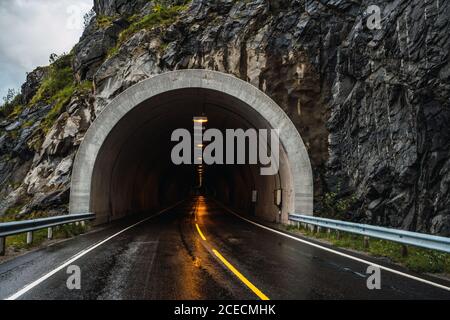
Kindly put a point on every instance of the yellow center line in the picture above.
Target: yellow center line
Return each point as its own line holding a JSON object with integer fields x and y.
{"x": 200, "y": 232}
{"x": 240, "y": 276}
{"x": 252, "y": 287}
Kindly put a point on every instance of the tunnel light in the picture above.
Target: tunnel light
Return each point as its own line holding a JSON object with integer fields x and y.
{"x": 200, "y": 145}
{"x": 200, "y": 119}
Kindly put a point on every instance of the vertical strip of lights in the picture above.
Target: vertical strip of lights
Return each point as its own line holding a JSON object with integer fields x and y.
{"x": 198, "y": 146}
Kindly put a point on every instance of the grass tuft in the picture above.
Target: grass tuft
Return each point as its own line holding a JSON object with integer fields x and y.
{"x": 162, "y": 15}
{"x": 104, "y": 22}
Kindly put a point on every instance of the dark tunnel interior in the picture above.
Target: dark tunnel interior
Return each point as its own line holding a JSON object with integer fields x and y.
{"x": 134, "y": 172}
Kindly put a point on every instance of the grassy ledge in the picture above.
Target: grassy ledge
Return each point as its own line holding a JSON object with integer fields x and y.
{"x": 418, "y": 259}
{"x": 18, "y": 242}
{"x": 57, "y": 89}
{"x": 162, "y": 15}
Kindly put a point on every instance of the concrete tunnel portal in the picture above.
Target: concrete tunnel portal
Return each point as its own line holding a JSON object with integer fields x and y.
{"x": 124, "y": 165}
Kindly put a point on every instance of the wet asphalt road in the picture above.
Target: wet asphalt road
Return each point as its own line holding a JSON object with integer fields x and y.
{"x": 166, "y": 258}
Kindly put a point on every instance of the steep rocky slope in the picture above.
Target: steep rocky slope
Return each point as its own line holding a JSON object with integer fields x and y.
{"x": 371, "y": 105}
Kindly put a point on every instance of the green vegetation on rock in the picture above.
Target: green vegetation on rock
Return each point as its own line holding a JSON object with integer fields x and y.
{"x": 16, "y": 110}
{"x": 57, "y": 89}
{"x": 159, "y": 17}
{"x": 10, "y": 213}
{"x": 335, "y": 205}
{"x": 104, "y": 22}
{"x": 162, "y": 15}
{"x": 12, "y": 104}
{"x": 61, "y": 99}
{"x": 57, "y": 83}
{"x": 27, "y": 124}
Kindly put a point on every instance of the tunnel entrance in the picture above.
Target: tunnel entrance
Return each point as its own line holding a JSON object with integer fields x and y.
{"x": 124, "y": 164}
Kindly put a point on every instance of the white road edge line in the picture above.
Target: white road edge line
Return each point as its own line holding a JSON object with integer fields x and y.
{"x": 82, "y": 253}
{"x": 342, "y": 254}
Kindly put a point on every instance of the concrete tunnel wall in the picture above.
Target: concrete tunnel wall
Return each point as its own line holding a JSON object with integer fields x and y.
{"x": 123, "y": 165}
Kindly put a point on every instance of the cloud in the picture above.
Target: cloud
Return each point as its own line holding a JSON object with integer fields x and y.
{"x": 32, "y": 30}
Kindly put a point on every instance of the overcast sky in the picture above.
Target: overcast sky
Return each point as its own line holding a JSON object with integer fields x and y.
{"x": 33, "y": 29}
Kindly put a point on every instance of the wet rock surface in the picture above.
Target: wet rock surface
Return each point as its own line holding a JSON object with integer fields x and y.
{"x": 371, "y": 105}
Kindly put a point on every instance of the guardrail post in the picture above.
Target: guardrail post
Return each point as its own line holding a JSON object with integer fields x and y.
{"x": 366, "y": 242}
{"x": 30, "y": 237}
{"x": 404, "y": 251}
{"x": 338, "y": 235}
{"x": 50, "y": 233}
{"x": 2, "y": 246}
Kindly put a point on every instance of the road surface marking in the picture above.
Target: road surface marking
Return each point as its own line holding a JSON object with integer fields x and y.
{"x": 252, "y": 287}
{"x": 82, "y": 253}
{"x": 200, "y": 232}
{"x": 240, "y": 276}
{"x": 434, "y": 284}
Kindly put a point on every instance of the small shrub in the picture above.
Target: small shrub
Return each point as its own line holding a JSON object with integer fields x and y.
{"x": 11, "y": 106}
{"x": 104, "y": 22}
{"x": 336, "y": 206}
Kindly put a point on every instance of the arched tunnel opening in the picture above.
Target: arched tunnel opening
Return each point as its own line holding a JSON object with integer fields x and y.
{"x": 124, "y": 166}
{"x": 134, "y": 171}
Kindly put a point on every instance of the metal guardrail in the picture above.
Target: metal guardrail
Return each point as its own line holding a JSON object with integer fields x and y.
{"x": 401, "y": 236}
{"x": 28, "y": 226}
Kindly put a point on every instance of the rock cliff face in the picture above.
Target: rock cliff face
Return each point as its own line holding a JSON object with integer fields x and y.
{"x": 371, "y": 105}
